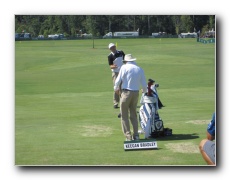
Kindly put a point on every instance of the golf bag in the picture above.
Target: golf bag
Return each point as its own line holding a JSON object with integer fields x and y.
{"x": 149, "y": 119}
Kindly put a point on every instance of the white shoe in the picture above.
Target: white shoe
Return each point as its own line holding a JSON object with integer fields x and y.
{"x": 141, "y": 132}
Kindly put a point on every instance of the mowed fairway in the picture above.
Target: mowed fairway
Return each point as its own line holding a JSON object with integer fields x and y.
{"x": 63, "y": 101}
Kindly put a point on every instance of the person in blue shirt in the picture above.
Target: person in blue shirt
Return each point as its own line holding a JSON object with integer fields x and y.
{"x": 208, "y": 146}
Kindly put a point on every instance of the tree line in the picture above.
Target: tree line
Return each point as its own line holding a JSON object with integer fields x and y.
{"x": 99, "y": 25}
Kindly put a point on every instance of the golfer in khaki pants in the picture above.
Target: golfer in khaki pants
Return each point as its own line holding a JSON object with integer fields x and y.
{"x": 132, "y": 78}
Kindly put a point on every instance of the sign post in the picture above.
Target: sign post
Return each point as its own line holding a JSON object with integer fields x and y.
{"x": 93, "y": 42}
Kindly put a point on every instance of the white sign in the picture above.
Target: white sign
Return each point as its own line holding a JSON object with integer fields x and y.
{"x": 132, "y": 145}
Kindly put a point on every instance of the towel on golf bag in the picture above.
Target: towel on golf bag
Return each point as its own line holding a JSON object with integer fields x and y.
{"x": 150, "y": 121}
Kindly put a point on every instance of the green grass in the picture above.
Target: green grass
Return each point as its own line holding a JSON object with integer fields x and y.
{"x": 63, "y": 101}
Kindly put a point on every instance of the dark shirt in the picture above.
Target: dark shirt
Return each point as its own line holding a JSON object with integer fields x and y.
{"x": 112, "y": 56}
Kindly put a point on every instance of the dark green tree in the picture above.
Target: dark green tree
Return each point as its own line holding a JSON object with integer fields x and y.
{"x": 99, "y": 25}
{"x": 186, "y": 23}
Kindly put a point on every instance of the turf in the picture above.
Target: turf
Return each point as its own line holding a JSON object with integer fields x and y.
{"x": 63, "y": 101}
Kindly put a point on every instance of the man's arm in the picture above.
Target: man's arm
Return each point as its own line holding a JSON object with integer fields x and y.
{"x": 110, "y": 61}
{"x": 118, "y": 80}
{"x": 113, "y": 66}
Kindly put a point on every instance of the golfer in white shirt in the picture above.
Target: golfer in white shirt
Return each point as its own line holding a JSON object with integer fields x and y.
{"x": 132, "y": 78}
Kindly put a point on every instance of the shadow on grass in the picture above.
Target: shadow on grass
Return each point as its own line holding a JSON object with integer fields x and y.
{"x": 178, "y": 137}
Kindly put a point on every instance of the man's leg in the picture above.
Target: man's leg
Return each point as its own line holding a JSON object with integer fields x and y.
{"x": 124, "y": 107}
{"x": 133, "y": 113}
{"x": 116, "y": 97}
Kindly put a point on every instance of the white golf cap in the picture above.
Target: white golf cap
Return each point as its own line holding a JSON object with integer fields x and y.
{"x": 111, "y": 45}
{"x": 129, "y": 57}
